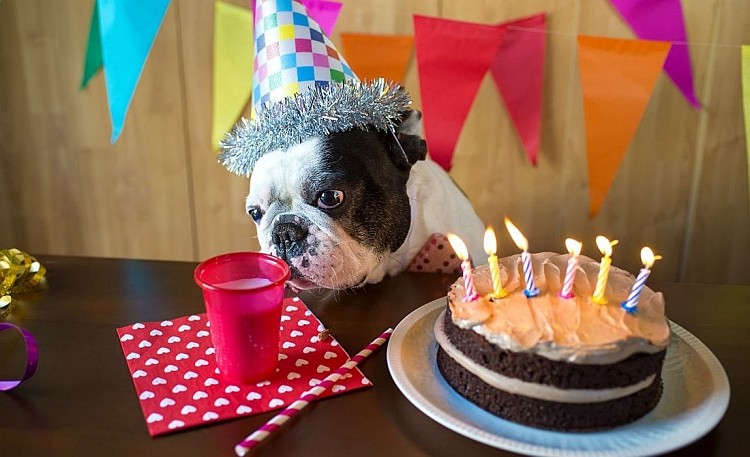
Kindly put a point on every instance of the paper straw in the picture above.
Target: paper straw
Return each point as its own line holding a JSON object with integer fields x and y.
{"x": 280, "y": 419}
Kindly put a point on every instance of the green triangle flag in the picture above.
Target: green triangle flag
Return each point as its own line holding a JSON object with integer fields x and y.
{"x": 93, "y": 61}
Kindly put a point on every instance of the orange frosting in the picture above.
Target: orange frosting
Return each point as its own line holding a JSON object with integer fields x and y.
{"x": 575, "y": 330}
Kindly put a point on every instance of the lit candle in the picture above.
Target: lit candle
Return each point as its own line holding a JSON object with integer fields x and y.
{"x": 470, "y": 293}
{"x": 574, "y": 248}
{"x": 605, "y": 246}
{"x": 523, "y": 245}
{"x": 490, "y": 247}
{"x": 648, "y": 258}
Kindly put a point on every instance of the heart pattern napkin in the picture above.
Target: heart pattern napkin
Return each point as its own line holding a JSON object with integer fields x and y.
{"x": 178, "y": 383}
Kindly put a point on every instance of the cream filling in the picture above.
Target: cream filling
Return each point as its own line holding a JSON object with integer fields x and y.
{"x": 530, "y": 389}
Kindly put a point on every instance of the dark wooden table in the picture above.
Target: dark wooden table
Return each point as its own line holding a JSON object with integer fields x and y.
{"x": 82, "y": 401}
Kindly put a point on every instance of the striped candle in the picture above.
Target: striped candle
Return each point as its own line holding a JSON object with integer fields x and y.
{"x": 470, "y": 292}
{"x": 528, "y": 275}
{"x": 647, "y": 256}
{"x": 523, "y": 244}
{"x": 280, "y": 419}
{"x": 574, "y": 248}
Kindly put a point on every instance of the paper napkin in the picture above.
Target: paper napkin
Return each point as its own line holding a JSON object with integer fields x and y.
{"x": 178, "y": 383}
{"x": 436, "y": 256}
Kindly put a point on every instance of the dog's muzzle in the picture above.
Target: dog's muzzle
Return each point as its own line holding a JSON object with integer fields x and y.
{"x": 288, "y": 237}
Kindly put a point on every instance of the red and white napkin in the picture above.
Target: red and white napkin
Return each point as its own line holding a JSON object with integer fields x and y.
{"x": 178, "y": 384}
{"x": 436, "y": 256}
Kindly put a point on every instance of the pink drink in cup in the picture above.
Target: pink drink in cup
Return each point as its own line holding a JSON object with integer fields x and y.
{"x": 243, "y": 292}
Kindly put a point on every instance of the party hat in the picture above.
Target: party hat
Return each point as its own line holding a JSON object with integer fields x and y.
{"x": 303, "y": 88}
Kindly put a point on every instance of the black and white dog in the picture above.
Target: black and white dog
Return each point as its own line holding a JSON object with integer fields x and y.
{"x": 346, "y": 209}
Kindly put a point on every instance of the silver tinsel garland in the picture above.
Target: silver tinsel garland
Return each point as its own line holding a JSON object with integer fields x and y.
{"x": 318, "y": 111}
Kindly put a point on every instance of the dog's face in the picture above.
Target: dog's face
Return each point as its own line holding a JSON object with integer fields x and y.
{"x": 334, "y": 207}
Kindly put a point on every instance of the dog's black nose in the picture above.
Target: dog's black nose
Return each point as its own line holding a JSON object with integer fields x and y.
{"x": 287, "y": 232}
{"x": 286, "y": 236}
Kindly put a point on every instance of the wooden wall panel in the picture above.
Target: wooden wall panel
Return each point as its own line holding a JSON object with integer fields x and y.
{"x": 490, "y": 164}
{"x": 387, "y": 17}
{"x": 159, "y": 193}
{"x": 12, "y": 226}
{"x": 718, "y": 243}
{"x": 74, "y": 193}
{"x": 220, "y": 218}
{"x": 647, "y": 203}
{"x": 218, "y": 196}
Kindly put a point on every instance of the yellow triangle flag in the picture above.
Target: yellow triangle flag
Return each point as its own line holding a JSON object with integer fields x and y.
{"x": 746, "y": 103}
{"x": 378, "y": 56}
{"x": 233, "y": 67}
{"x": 617, "y": 78}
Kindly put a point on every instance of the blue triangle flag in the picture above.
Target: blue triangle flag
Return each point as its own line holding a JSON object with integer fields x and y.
{"x": 128, "y": 29}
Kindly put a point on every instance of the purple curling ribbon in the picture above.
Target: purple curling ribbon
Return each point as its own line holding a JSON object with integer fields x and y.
{"x": 32, "y": 356}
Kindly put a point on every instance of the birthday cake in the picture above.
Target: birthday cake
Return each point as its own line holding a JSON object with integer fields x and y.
{"x": 551, "y": 362}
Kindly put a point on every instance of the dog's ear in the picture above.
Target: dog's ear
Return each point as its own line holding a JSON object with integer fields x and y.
{"x": 405, "y": 145}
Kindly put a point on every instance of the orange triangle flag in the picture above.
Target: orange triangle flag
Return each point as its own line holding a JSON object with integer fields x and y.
{"x": 378, "y": 56}
{"x": 617, "y": 78}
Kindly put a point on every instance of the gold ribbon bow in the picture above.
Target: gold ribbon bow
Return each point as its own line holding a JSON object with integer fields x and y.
{"x": 19, "y": 273}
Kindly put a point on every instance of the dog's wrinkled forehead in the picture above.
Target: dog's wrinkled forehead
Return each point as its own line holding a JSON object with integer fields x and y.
{"x": 281, "y": 176}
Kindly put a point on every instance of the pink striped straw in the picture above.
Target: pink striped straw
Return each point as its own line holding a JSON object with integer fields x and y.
{"x": 280, "y": 419}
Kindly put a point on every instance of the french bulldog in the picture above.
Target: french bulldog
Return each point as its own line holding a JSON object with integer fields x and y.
{"x": 348, "y": 208}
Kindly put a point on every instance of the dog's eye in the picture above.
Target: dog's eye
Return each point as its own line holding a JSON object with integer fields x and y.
{"x": 255, "y": 213}
{"x": 329, "y": 199}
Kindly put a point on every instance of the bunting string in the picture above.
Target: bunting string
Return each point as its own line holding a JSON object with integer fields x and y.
{"x": 449, "y": 53}
{"x": 575, "y": 35}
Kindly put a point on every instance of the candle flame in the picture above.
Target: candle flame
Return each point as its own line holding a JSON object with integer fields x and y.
{"x": 605, "y": 246}
{"x": 517, "y": 236}
{"x": 458, "y": 246}
{"x": 574, "y": 247}
{"x": 648, "y": 258}
{"x": 490, "y": 241}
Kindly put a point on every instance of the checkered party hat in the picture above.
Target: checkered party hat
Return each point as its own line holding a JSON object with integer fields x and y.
{"x": 303, "y": 87}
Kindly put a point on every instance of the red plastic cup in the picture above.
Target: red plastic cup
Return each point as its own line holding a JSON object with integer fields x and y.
{"x": 243, "y": 292}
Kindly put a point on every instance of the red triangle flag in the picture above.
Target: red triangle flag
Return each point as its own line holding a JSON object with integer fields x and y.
{"x": 452, "y": 59}
{"x": 617, "y": 78}
{"x": 518, "y": 71}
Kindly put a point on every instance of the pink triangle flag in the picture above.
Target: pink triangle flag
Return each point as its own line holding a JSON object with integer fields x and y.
{"x": 452, "y": 59}
{"x": 325, "y": 13}
{"x": 663, "y": 20}
{"x": 518, "y": 71}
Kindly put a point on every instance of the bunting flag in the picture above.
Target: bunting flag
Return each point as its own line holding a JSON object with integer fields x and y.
{"x": 378, "y": 56}
{"x": 233, "y": 67}
{"x": 92, "y": 62}
{"x": 452, "y": 59}
{"x": 325, "y": 13}
{"x": 126, "y": 31}
{"x": 617, "y": 78}
{"x": 663, "y": 20}
{"x": 518, "y": 72}
{"x": 745, "y": 53}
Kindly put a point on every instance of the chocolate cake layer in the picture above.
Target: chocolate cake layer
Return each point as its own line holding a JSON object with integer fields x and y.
{"x": 537, "y": 369}
{"x": 546, "y": 414}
